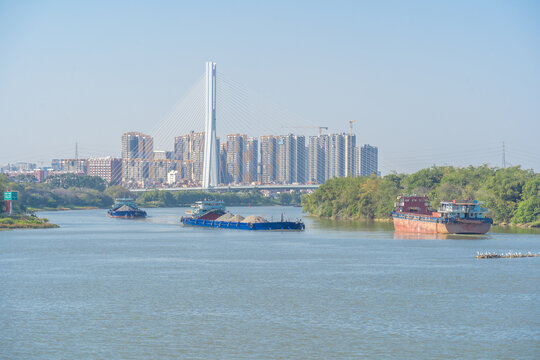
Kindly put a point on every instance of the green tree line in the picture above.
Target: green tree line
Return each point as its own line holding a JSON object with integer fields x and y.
{"x": 512, "y": 194}
{"x": 159, "y": 198}
{"x": 80, "y": 191}
{"x": 58, "y": 191}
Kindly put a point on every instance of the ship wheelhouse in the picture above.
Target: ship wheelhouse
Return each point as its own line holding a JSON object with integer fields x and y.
{"x": 463, "y": 209}
{"x": 203, "y": 207}
{"x": 413, "y": 204}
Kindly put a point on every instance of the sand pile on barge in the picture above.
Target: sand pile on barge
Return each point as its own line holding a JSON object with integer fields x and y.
{"x": 236, "y": 218}
{"x": 254, "y": 219}
{"x": 225, "y": 217}
{"x": 125, "y": 208}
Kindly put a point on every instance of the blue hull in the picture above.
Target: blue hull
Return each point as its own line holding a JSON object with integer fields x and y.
{"x": 127, "y": 214}
{"x": 281, "y": 225}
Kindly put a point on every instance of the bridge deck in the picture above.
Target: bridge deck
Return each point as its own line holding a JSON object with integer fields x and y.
{"x": 237, "y": 187}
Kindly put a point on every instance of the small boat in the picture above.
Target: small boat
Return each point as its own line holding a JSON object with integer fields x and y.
{"x": 414, "y": 214}
{"x": 126, "y": 208}
{"x": 213, "y": 214}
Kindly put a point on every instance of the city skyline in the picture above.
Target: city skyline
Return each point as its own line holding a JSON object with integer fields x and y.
{"x": 416, "y": 77}
{"x": 280, "y": 159}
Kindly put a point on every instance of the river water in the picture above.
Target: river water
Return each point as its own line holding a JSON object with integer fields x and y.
{"x": 102, "y": 288}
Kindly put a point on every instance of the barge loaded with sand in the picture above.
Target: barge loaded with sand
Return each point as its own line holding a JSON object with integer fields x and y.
{"x": 213, "y": 214}
{"x": 126, "y": 208}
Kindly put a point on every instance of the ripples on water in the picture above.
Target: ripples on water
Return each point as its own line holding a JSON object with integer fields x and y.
{"x": 117, "y": 289}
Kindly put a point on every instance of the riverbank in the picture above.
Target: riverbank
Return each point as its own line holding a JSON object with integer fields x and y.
{"x": 533, "y": 225}
{"x": 64, "y": 208}
{"x": 25, "y": 222}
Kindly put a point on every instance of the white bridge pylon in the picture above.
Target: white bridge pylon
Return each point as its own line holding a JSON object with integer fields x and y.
{"x": 210, "y": 168}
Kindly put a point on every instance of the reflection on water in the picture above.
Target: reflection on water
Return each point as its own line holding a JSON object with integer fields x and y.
{"x": 366, "y": 225}
{"x": 348, "y": 225}
{"x": 418, "y": 236}
{"x": 514, "y": 230}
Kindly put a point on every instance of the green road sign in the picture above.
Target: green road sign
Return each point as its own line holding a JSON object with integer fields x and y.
{"x": 11, "y": 195}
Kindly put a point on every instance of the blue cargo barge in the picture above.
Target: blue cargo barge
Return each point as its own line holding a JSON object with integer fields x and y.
{"x": 210, "y": 214}
{"x": 126, "y": 208}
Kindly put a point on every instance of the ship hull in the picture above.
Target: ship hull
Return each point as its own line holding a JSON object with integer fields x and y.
{"x": 277, "y": 226}
{"x": 433, "y": 225}
{"x": 127, "y": 214}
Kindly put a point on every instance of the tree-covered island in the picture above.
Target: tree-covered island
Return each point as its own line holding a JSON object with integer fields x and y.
{"x": 512, "y": 194}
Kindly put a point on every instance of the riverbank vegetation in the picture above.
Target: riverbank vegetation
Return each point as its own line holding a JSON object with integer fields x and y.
{"x": 65, "y": 191}
{"x": 186, "y": 198}
{"x": 25, "y": 222}
{"x": 512, "y": 194}
{"x": 70, "y": 191}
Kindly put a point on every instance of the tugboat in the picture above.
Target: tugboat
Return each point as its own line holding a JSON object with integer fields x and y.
{"x": 213, "y": 214}
{"x": 126, "y": 208}
{"x": 414, "y": 214}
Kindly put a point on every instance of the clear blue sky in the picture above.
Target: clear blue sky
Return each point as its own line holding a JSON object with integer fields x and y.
{"x": 429, "y": 82}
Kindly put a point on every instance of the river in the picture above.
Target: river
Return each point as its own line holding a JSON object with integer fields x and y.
{"x": 102, "y": 288}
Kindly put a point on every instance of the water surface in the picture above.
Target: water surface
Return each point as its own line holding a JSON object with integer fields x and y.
{"x": 136, "y": 289}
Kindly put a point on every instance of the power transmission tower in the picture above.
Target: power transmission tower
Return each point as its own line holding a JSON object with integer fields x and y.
{"x": 503, "y": 157}
{"x": 76, "y": 151}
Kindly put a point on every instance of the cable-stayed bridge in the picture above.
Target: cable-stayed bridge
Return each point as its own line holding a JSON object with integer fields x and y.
{"x": 226, "y": 107}
{"x": 235, "y": 109}
{"x": 229, "y": 108}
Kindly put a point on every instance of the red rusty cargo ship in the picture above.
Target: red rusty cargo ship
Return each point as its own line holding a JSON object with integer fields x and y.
{"x": 414, "y": 214}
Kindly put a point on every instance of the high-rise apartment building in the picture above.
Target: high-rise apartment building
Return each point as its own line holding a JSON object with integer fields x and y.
{"x": 250, "y": 161}
{"x": 190, "y": 147}
{"x": 291, "y": 153}
{"x": 317, "y": 159}
{"x": 136, "y": 145}
{"x": 137, "y": 152}
{"x": 330, "y": 156}
{"x": 300, "y": 149}
{"x": 357, "y": 160}
{"x": 235, "y": 152}
{"x": 350, "y": 155}
{"x": 268, "y": 159}
{"x": 369, "y": 160}
{"x": 107, "y": 168}
{"x": 335, "y": 156}
{"x": 286, "y": 159}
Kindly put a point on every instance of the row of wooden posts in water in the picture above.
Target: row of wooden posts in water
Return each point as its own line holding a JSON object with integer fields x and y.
{"x": 508, "y": 255}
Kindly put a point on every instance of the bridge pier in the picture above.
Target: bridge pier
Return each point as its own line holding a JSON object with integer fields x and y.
{"x": 210, "y": 168}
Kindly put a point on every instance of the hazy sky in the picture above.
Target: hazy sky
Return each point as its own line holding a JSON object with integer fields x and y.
{"x": 429, "y": 82}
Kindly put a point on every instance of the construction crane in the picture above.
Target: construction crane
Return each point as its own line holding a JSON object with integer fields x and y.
{"x": 321, "y": 128}
{"x": 350, "y": 124}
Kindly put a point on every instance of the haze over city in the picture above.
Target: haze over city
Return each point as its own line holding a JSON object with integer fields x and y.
{"x": 269, "y": 179}
{"x": 428, "y": 83}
